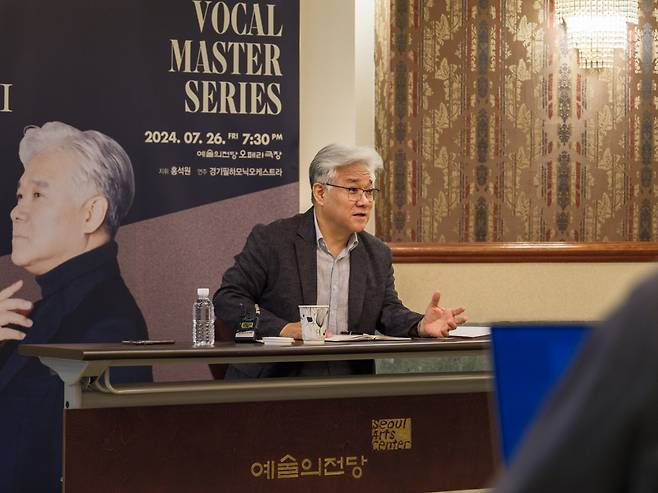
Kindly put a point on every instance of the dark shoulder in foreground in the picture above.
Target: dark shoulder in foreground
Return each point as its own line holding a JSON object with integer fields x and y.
{"x": 638, "y": 315}
{"x": 647, "y": 290}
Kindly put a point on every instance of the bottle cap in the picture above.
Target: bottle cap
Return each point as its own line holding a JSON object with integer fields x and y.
{"x": 203, "y": 292}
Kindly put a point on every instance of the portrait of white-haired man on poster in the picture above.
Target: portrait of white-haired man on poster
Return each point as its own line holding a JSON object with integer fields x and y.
{"x": 76, "y": 188}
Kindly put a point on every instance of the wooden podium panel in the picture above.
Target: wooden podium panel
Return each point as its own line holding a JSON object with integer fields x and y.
{"x": 400, "y": 443}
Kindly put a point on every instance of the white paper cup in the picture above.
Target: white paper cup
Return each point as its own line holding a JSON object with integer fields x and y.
{"x": 315, "y": 319}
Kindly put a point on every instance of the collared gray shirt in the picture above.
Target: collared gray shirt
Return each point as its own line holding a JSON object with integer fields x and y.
{"x": 333, "y": 278}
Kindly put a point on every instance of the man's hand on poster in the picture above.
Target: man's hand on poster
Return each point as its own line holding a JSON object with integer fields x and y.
{"x": 13, "y": 311}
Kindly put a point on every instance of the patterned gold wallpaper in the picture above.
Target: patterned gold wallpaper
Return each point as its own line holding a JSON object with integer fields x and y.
{"x": 491, "y": 132}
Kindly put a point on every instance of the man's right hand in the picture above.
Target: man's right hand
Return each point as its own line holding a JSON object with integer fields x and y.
{"x": 10, "y": 313}
{"x": 293, "y": 329}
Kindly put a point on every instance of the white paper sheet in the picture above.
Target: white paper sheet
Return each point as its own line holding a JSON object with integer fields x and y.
{"x": 470, "y": 331}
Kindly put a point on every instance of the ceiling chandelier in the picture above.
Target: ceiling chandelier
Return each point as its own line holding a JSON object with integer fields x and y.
{"x": 596, "y": 28}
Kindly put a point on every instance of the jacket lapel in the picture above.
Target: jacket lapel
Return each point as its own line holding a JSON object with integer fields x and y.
{"x": 358, "y": 283}
{"x": 305, "y": 249}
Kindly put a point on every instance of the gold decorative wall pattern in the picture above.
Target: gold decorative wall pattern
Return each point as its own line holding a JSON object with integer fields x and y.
{"x": 491, "y": 131}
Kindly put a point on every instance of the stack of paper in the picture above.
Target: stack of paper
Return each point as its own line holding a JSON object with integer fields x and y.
{"x": 277, "y": 341}
{"x": 364, "y": 337}
{"x": 470, "y": 331}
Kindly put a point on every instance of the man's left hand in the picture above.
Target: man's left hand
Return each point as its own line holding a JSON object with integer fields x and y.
{"x": 438, "y": 321}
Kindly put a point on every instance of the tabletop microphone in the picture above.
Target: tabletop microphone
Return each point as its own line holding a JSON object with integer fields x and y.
{"x": 248, "y": 325}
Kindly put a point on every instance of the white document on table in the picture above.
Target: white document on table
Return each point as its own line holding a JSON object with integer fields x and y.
{"x": 276, "y": 341}
{"x": 470, "y": 331}
{"x": 364, "y": 337}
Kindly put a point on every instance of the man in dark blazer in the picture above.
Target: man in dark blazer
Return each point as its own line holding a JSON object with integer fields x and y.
{"x": 76, "y": 188}
{"x": 599, "y": 430}
{"x": 325, "y": 256}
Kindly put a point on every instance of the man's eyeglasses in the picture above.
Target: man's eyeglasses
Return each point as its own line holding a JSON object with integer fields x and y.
{"x": 355, "y": 193}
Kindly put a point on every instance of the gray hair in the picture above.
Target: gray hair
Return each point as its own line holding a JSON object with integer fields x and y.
{"x": 103, "y": 164}
{"x": 324, "y": 164}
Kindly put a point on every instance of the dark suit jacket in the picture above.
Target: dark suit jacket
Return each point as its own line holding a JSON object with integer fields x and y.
{"x": 278, "y": 270}
{"x": 599, "y": 431}
{"x": 84, "y": 300}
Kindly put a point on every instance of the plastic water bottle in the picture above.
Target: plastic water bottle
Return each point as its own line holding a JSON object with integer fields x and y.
{"x": 203, "y": 319}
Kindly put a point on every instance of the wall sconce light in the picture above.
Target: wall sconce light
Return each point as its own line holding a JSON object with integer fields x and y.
{"x": 596, "y": 28}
